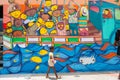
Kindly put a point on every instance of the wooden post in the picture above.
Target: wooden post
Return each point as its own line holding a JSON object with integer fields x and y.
{"x": 53, "y": 40}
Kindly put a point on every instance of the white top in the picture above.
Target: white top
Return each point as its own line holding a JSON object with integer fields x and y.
{"x": 51, "y": 61}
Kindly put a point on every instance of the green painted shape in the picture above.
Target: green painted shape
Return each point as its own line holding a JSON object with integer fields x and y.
{"x": 18, "y": 40}
{"x": 83, "y": 23}
{"x": 14, "y": 28}
{"x": 57, "y": 45}
{"x": 89, "y": 44}
{"x": 73, "y": 39}
{"x": 47, "y": 39}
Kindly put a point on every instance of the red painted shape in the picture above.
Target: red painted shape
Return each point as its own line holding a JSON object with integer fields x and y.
{"x": 9, "y": 52}
{"x": 60, "y": 59}
{"x": 109, "y": 56}
{"x": 70, "y": 69}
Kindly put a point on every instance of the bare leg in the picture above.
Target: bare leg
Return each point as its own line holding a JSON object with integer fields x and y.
{"x": 48, "y": 72}
{"x": 119, "y": 77}
{"x": 55, "y": 72}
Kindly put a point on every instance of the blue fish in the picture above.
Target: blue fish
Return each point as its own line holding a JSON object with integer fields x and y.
{"x": 15, "y": 69}
{"x": 78, "y": 67}
{"x": 7, "y": 63}
{"x": 114, "y": 61}
{"x": 26, "y": 53}
{"x": 28, "y": 67}
{"x": 60, "y": 55}
{"x": 8, "y": 56}
{"x": 17, "y": 60}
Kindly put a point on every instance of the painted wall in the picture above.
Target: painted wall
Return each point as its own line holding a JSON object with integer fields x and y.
{"x": 69, "y": 58}
{"x": 80, "y": 58}
{"x": 36, "y": 2}
{"x": 5, "y": 2}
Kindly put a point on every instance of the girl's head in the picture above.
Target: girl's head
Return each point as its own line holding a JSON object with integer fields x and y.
{"x": 51, "y": 49}
{"x": 71, "y": 10}
{"x": 106, "y": 11}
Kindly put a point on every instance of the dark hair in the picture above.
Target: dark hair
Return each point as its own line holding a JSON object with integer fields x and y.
{"x": 51, "y": 49}
{"x": 107, "y": 9}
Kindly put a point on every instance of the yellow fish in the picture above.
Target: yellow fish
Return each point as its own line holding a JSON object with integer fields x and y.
{"x": 50, "y": 13}
{"x": 15, "y": 14}
{"x": 40, "y": 20}
{"x": 54, "y": 7}
{"x": 30, "y": 24}
{"x": 23, "y": 16}
{"x": 49, "y": 24}
{"x": 43, "y": 31}
{"x": 53, "y": 32}
{"x": 14, "y": 61}
{"x": 9, "y": 30}
{"x": 43, "y": 52}
{"x": 37, "y": 67}
{"x": 48, "y": 3}
{"x": 36, "y": 59}
{"x": 38, "y": 24}
{"x": 9, "y": 24}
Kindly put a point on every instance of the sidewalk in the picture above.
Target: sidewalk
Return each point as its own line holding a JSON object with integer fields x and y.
{"x": 69, "y": 76}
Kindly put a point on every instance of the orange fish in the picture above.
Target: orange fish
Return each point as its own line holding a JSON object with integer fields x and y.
{"x": 109, "y": 56}
{"x": 66, "y": 47}
{"x": 60, "y": 59}
{"x": 105, "y": 46}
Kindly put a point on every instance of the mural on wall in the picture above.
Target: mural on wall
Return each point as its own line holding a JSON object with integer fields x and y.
{"x": 44, "y": 20}
{"x": 72, "y": 58}
{"x": 79, "y": 34}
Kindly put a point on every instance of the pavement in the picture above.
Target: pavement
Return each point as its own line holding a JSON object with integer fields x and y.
{"x": 64, "y": 76}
